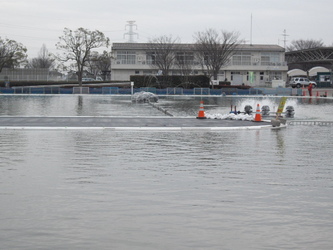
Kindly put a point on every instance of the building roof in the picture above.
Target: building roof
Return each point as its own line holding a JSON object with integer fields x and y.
{"x": 320, "y": 54}
{"x": 316, "y": 50}
{"x": 309, "y": 58}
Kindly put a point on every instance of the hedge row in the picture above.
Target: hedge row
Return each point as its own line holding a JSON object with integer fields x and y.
{"x": 161, "y": 82}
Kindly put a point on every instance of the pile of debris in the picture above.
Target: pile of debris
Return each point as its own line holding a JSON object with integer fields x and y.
{"x": 143, "y": 97}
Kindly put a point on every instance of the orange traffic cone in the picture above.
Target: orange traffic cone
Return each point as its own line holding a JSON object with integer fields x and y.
{"x": 201, "y": 114}
{"x": 257, "y": 117}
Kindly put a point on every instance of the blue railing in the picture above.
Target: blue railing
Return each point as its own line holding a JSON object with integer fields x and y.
{"x": 168, "y": 91}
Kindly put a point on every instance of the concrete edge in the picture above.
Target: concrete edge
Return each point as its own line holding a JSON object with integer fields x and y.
{"x": 197, "y": 129}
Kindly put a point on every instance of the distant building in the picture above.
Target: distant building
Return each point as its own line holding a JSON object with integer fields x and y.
{"x": 19, "y": 74}
{"x": 254, "y": 65}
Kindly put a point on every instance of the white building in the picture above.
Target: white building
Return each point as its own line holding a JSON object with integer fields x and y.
{"x": 254, "y": 65}
{"x": 36, "y": 74}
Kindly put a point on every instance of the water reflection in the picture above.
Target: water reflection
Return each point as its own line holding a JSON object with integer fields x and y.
{"x": 88, "y": 105}
{"x": 168, "y": 183}
{"x": 12, "y": 149}
{"x": 79, "y": 106}
{"x": 280, "y": 144}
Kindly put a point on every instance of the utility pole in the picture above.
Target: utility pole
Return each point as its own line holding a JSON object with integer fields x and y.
{"x": 251, "y": 31}
{"x": 131, "y": 33}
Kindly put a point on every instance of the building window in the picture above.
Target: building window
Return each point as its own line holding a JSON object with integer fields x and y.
{"x": 137, "y": 72}
{"x": 237, "y": 59}
{"x": 275, "y": 75}
{"x": 241, "y": 58}
{"x": 262, "y": 76}
{"x": 185, "y": 58}
{"x": 151, "y": 58}
{"x": 126, "y": 57}
{"x": 246, "y": 59}
{"x": 270, "y": 58}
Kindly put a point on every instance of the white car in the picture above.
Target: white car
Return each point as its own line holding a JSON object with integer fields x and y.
{"x": 301, "y": 82}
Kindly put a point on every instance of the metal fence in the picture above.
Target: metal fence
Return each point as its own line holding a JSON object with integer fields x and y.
{"x": 34, "y": 90}
{"x": 81, "y": 90}
{"x": 311, "y": 123}
{"x": 110, "y": 90}
{"x": 174, "y": 91}
{"x": 167, "y": 91}
{"x": 201, "y": 91}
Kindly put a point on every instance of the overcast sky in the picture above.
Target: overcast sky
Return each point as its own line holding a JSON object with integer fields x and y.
{"x": 37, "y": 22}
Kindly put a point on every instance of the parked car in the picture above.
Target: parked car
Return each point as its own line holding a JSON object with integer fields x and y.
{"x": 301, "y": 82}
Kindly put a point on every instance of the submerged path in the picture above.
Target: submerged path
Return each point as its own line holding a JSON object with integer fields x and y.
{"x": 14, "y": 122}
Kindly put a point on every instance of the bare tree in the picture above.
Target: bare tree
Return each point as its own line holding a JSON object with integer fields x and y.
{"x": 12, "y": 53}
{"x": 184, "y": 62}
{"x": 161, "y": 53}
{"x": 304, "y": 44}
{"x": 43, "y": 61}
{"x": 92, "y": 64}
{"x": 215, "y": 49}
{"x": 100, "y": 64}
{"x": 78, "y": 45}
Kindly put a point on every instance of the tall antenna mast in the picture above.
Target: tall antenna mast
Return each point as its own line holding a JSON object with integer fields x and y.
{"x": 131, "y": 33}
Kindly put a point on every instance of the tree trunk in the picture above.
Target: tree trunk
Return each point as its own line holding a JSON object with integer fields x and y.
{"x": 215, "y": 78}
{"x": 79, "y": 77}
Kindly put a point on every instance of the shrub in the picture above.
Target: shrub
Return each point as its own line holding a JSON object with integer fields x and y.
{"x": 198, "y": 81}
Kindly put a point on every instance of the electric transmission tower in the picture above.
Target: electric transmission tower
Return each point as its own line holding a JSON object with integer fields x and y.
{"x": 131, "y": 34}
{"x": 285, "y": 38}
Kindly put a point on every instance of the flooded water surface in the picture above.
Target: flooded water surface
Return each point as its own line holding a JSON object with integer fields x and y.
{"x": 103, "y": 189}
